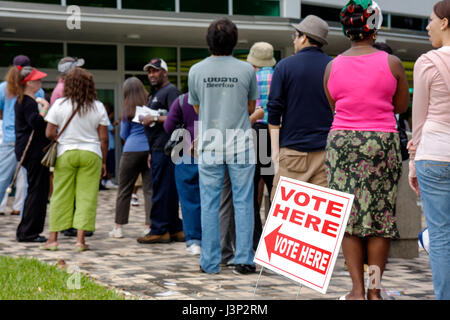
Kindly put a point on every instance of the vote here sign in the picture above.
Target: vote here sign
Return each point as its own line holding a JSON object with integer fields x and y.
{"x": 303, "y": 232}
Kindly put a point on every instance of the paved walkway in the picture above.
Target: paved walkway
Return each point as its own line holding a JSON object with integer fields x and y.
{"x": 167, "y": 272}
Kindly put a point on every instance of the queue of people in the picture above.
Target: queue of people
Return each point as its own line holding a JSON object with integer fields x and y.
{"x": 329, "y": 122}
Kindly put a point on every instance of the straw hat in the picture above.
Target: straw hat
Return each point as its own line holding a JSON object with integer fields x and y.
{"x": 261, "y": 55}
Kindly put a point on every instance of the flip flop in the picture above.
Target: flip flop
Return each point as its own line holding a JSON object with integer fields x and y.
{"x": 50, "y": 247}
{"x": 81, "y": 247}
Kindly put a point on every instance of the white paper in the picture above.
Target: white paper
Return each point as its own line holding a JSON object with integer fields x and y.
{"x": 144, "y": 111}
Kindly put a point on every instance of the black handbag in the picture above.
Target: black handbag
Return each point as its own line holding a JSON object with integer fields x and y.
{"x": 403, "y": 139}
{"x": 177, "y": 135}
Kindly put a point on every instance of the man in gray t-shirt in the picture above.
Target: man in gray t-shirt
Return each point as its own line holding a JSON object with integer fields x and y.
{"x": 223, "y": 91}
{"x": 223, "y": 86}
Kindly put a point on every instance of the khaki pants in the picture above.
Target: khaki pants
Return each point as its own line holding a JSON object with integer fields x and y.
{"x": 303, "y": 166}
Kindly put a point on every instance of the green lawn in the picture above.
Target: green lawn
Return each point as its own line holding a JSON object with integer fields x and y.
{"x": 30, "y": 279}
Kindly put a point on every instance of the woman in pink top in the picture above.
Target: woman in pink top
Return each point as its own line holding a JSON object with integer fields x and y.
{"x": 64, "y": 66}
{"x": 365, "y": 87}
{"x": 430, "y": 145}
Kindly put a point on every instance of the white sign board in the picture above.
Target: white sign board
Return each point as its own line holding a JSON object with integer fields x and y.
{"x": 303, "y": 232}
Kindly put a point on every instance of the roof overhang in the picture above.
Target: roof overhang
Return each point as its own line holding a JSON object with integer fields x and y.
{"x": 159, "y": 28}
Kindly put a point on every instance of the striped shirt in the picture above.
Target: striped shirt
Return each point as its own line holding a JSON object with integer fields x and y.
{"x": 264, "y": 78}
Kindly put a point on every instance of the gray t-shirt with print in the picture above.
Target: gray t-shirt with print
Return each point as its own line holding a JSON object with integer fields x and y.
{"x": 222, "y": 86}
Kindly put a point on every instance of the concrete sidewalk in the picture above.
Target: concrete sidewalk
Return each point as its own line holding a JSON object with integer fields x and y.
{"x": 167, "y": 272}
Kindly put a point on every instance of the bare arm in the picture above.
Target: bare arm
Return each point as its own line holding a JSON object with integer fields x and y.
{"x": 258, "y": 114}
{"x": 401, "y": 97}
{"x": 197, "y": 108}
{"x": 251, "y": 105}
{"x": 275, "y": 144}
{"x": 103, "y": 137}
{"x": 326, "y": 77}
{"x": 51, "y": 131}
{"x": 148, "y": 120}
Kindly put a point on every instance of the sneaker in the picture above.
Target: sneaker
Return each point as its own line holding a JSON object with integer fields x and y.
{"x": 145, "y": 232}
{"x": 155, "y": 238}
{"x": 116, "y": 233}
{"x": 244, "y": 269}
{"x": 194, "y": 249}
{"x": 110, "y": 185}
{"x": 134, "y": 200}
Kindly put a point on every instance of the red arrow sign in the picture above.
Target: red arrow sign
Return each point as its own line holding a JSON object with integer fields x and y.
{"x": 297, "y": 251}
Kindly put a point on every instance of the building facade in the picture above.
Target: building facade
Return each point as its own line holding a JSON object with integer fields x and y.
{"x": 118, "y": 37}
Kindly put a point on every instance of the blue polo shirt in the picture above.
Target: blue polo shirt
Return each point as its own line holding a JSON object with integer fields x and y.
{"x": 297, "y": 99}
{"x": 7, "y": 105}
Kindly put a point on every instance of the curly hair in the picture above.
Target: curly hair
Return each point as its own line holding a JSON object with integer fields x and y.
{"x": 356, "y": 21}
{"x": 79, "y": 88}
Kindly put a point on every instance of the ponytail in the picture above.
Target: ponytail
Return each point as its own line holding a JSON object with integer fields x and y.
{"x": 14, "y": 77}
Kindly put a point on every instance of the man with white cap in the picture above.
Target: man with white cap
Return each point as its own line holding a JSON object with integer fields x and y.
{"x": 297, "y": 96}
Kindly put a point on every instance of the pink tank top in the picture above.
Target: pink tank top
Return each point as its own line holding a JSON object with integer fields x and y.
{"x": 363, "y": 88}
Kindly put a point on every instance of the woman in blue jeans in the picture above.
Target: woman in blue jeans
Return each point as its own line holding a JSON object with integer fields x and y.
{"x": 429, "y": 166}
{"x": 186, "y": 175}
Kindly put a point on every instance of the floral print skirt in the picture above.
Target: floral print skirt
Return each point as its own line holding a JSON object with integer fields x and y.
{"x": 366, "y": 164}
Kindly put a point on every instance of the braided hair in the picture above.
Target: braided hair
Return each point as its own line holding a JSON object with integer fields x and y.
{"x": 358, "y": 19}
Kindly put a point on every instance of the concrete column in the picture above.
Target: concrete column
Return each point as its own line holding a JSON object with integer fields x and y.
{"x": 409, "y": 219}
{"x": 290, "y": 9}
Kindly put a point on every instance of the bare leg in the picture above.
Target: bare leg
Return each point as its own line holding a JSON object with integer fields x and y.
{"x": 353, "y": 249}
{"x": 52, "y": 242}
{"x": 80, "y": 239}
{"x": 378, "y": 251}
{"x": 52, "y": 238}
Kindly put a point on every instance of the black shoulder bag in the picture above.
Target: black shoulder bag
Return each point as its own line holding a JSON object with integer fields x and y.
{"x": 177, "y": 135}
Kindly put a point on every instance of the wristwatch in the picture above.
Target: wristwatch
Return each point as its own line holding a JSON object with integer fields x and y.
{"x": 155, "y": 119}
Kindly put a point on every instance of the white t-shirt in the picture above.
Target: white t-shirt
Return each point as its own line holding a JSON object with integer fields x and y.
{"x": 81, "y": 133}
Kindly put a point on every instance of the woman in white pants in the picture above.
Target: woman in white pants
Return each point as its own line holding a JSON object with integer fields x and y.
{"x": 19, "y": 195}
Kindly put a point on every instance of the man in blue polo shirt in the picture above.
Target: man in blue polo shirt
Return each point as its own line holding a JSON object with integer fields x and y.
{"x": 297, "y": 98}
{"x": 8, "y": 160}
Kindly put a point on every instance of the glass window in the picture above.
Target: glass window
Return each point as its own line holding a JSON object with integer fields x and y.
{"x": 184, "y": 84}
{"x": 41, "y": 54}
{"x": 38, "y": 1}
{"x": 165, "y": 5}
{"x": 94, "y": 3}
{"x": 411, "y": 23}
{"x": 243, "y": 53}
{"x": 190, "y": 56}
{"x": 106, "y": 96}
{"x": 103, "y": 57}
{"x": 137, "y": 57}
{"x": 385, "y": 20}
{"x": 326, "y": 13}
{"x": 207, "y": 6}
{"x": 257, "y": 7}
{"x": 144, "y": 79}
